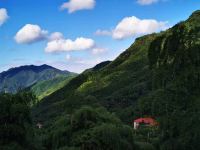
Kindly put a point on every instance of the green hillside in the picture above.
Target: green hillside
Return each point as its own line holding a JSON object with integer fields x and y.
{"x": 45, "y": 88}
{"x": 116, "y": 86}
{"x": 22, "y": 77}
{"x": 157, "y": 76}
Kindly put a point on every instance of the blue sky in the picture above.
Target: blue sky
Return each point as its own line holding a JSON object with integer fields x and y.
{"x": 77, "y": 34}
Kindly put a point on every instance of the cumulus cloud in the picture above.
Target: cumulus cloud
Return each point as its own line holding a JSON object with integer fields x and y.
{"x": 103, "y": 32}
{"x": 3, "y": 16}
{"x": 61, "y": 45}
{"x": 29, "y": 34}
{"x": 75, "y": 5}
{"x": 133, "y": 27}
{"x": 56, "y": 36}
{"x": 146, "y": 2}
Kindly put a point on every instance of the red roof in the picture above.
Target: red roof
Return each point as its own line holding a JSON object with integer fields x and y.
{"x": 150, "y": 121}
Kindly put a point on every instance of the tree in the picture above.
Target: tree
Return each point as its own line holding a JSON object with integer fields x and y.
{"x": 15, "y": 121}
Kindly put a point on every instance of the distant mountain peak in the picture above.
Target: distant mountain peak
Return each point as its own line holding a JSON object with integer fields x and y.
{"x": 15, "y": 70}
{"x": 44, "y": 66}
{"x": 24, "y": 76}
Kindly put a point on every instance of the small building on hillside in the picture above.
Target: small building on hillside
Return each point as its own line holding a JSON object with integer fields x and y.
{"x": 39, "y": 125}
{"x": 150, "y": 122}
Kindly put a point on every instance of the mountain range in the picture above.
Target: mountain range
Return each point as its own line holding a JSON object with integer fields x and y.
{"x": 23, "y": 77}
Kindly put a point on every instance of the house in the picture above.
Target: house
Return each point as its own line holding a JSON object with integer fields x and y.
{"x": 39, "y": 125}
{"x": 144, "y": 122}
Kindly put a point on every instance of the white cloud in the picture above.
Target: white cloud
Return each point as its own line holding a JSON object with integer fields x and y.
{"x": 98, "y": 50}
{"x": 133, "y": 26}
{"x": 75, "y": 5}
{"x": 30, "y": 34}
{"x": 103, "y": 32}
{"x": 3, "y": 16}
{"x": 61, "y": 45}
{"x": 146, "y": 2}
{"x": 56, "y": 36}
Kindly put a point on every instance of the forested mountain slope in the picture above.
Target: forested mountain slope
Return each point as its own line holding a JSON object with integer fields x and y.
{"x": 44, "y": 88}
{"x": 159, "y": 76}
{"x": 118, "y": 84}
{"x": 22, "y": 77}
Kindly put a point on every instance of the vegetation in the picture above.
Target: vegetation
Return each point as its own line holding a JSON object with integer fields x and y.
{"x": 25, "y": 76}
{"x": 89, "y": 128}
{"x": 175, "y": 59}
{"x": 47, "y": 87}
{"x": 16, "y": 130}
{"x": 157, "y": 76}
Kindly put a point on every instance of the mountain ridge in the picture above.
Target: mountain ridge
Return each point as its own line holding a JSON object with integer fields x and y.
{"x": 25, "y": 76}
